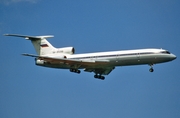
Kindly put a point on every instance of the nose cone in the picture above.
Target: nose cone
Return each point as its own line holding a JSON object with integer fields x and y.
{"x": 173, "y": 57}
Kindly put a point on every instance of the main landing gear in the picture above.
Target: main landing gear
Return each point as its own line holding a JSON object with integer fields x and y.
{"x": 75, "y": 71}
{"x": 99, "y": 76}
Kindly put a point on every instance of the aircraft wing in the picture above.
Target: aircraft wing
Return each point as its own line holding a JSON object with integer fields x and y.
{"x": 72, "y": 62}
{"x": 103, "y": 70}
{"x": 96, "y": 66}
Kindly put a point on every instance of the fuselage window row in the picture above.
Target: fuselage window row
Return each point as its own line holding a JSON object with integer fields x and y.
{"x": 120, "y": 55}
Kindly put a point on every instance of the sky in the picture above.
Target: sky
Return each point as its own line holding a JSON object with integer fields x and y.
{"x": 30, "y": 91}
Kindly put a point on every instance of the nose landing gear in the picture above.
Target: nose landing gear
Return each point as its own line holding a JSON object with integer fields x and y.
{"x": 151, "y": 69}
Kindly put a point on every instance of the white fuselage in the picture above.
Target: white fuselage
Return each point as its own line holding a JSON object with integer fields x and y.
{"x": 120, "y": 58}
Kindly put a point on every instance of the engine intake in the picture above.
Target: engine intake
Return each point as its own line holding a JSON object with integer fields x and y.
{"x": 39, "y": 62}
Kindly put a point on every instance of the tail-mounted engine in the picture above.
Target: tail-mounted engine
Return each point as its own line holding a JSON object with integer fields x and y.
{"x": 39, "y": 62}
{"x": 66, "y": 50}
{"x": 42, "y": 62}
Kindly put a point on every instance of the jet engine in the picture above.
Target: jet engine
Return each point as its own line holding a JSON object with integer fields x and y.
{"x": 66, "y": 50}
{"x": 39, "y": 62}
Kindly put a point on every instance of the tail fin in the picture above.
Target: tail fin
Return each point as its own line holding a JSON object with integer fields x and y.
{"x": 41, "y": 45}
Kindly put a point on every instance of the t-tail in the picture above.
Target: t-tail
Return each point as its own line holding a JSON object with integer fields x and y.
{"x": 43, "y": 47}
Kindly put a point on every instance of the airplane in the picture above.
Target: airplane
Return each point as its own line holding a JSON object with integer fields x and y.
{"x": 101, "y": 63}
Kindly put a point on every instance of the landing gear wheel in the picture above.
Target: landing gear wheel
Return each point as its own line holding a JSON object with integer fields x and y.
{"x": 75, "y": 71}
{"x": 99, "y": 77}
{"x": 95, "y": 76}
{"x": 102, "y": 77}
{"x": 71, "y": 70}
{"x": 151, "y": 70}
{"x": 78, "y": 71}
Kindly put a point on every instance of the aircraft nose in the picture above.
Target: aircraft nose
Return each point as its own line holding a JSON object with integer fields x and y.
{"x": 173, "y": 56}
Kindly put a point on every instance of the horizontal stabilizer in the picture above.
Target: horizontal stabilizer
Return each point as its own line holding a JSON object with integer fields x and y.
{"x": 30, "y": 37}
{"x": 31, "y": 55}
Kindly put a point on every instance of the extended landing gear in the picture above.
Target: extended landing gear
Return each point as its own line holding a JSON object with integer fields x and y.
{"x": 75, "y": 71}
{"x": 151, "y": 69}
{"x": 99, "y": 77}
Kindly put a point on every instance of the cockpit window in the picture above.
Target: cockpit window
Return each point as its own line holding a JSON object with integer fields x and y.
{"x": 166, "y": 52}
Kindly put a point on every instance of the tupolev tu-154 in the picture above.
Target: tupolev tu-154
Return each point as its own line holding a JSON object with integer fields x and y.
{"x": 101, "y": 63}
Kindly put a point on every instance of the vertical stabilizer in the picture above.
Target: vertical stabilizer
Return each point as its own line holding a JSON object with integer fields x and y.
{"x": 42, "y": 46}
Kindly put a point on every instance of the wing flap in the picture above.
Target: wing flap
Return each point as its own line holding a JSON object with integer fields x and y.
{"x": 98, "y": 67}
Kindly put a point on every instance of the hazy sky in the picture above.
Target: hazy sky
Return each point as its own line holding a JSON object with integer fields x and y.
{"x": 29, "y": 91}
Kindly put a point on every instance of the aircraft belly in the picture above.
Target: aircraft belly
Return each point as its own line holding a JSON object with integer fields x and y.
{"x": 155, "y": 59}
{"x": 122, "y": 61}
{"x": 60, "y": 66}
{"x": 138, "y": 60}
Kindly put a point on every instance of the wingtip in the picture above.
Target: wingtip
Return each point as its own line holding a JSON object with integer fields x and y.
{"x": 24, "y": 54}
{"x": 6, "y": 34}
{"x": 9, "y": 34}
